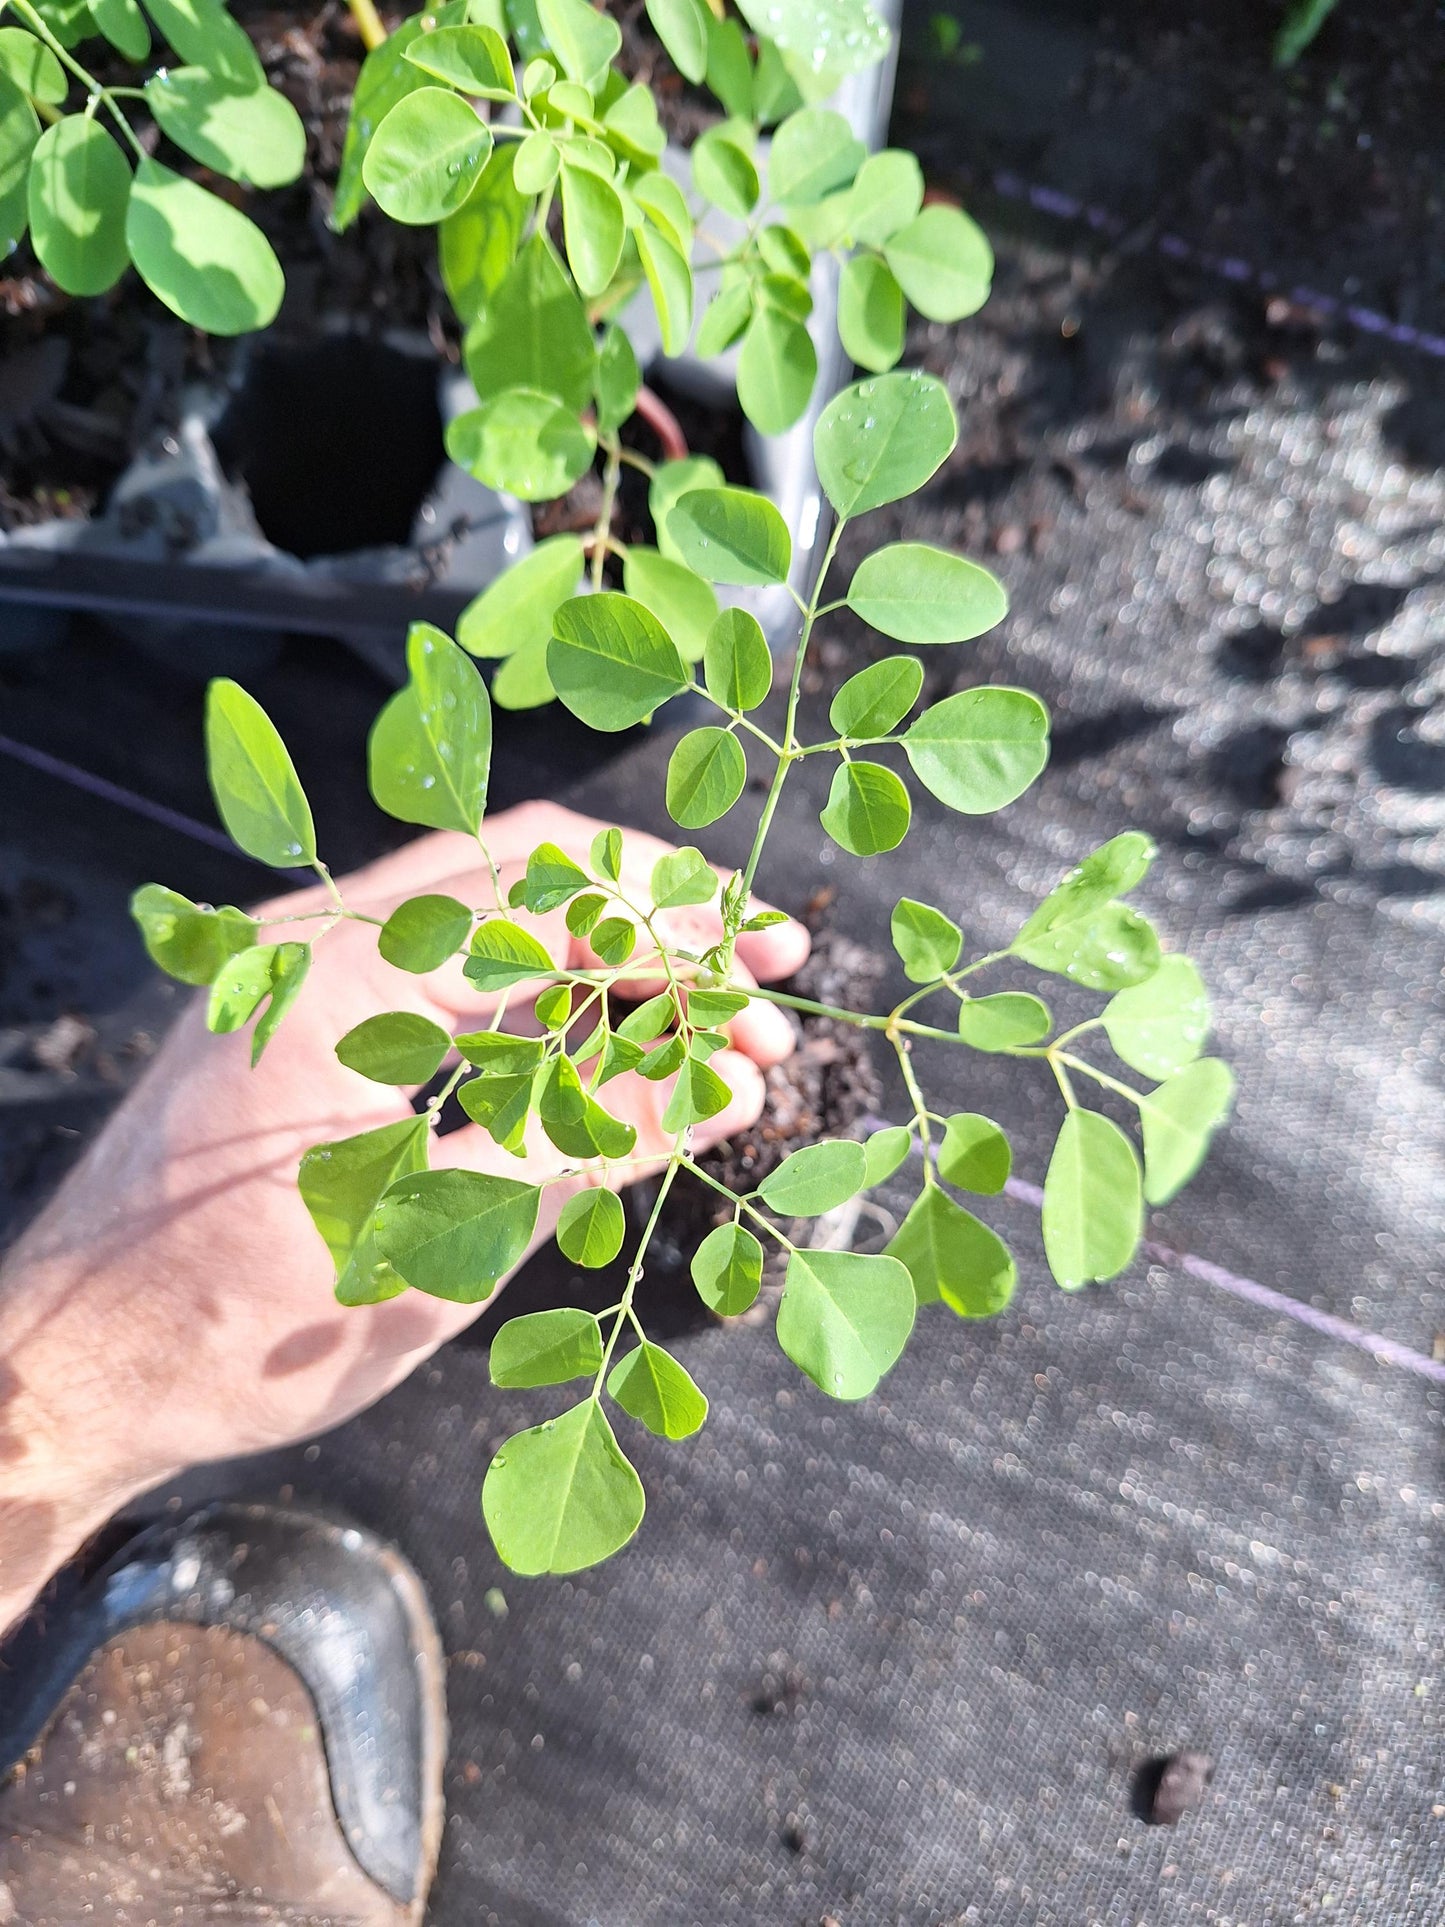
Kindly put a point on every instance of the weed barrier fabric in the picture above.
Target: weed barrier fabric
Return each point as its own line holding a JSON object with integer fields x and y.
{"x": 900, "y": 1662}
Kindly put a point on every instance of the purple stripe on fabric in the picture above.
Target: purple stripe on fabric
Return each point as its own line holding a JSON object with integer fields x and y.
{"x": 108, "y": 792}
{"x": 1388, "y": 1350}
{"x": 1050, "y": 200}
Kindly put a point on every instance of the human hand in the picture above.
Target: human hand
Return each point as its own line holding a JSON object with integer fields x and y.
{"x": 174, "y": 1302}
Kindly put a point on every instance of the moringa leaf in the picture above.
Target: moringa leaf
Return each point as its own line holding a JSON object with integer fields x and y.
{"x": 430, "y": 751}
{"x": 561, "y": 1496}
{"x": 845, "y": 1318}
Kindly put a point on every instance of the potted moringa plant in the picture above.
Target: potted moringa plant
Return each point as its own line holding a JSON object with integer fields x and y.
{"x": 566, "y": 214}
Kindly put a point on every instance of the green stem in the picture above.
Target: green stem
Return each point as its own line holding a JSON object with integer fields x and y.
{"x": 601, "y": 535}
{"x": 92, "y": 86}
{"x": 635, "y": 1274}
{"x": 369, "y": 23}
{"x": 1062, "y": 1078}
{"x": 790, "y": 739}
{"x": 739, "y": 1204}
{"x": 1100, "y": 1077}
{"x": 915, "y": 1097}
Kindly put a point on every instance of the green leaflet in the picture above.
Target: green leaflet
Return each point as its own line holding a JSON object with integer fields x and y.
{"x": 503, "y": 953}
{"x": 652, "y": 1387}
{"x": 79, "y": 187}
{"x": 593, "y": 227}
{"x": 341, "y": 1185}
{"x": 833, "y": 36}
{"x": 737, "y": 664}
{"x": 920, "y": 594}
{"x": 845, "y": 1318}
{"x": 1004, "y": 1021}
{"x": 698, "y": 1094}
{"x": 979, "y": 750}
{"x": 397, "y": 1047}
{"x": 546, "y": 1348}
{"x": 1159, "y": 1026}
{"x": 253, "y": 135}
{"x": 953, "y": 1258}
{"x": 254, "y": 781}
{"x": 876, "y": 699}
{"x": 974, "y": 1154}
{"x": 682, "y": 877}
{"x": 189, "y": 941}
{"x": 1093, "y": 1213}
{"x": 577, "y": 1123}
{"x": 426, "y": 156}
{"x": 943, "y": 263}
{"x": 815, "y": 1179}
{"x": 524, "y": 441}
{"x": 199, "y": 255}
{"x": 612, "y": 662}
{"x": 883, "y": 439}
{"x": 727, "y": 1269}
{"x": 681, "y": 26}
{"x": 886, "y": 1152}
{"x": 516, "y": 611}
{"x": 867, "y": 811}
{"x": 430, "y": 751}
{"x": 928, "y": 943}
{"x": 777, "y": 368}
{"x": 561, "y": 1496}
{"x": 477, "y": 244}
{"x": 872, "y": 315}
{"x": 456, "y": 1234}
{"x": 1178, "y": 1121}
{"x": 705, "y": 777}
{"x": 731, "y": 535}
{"x": 683, "y": 603}
{"x": 534, "y": 333}
{"x": 591, "y": 1228}
{"x": 1107, "y": 949}
{"x": 422, "y": 933}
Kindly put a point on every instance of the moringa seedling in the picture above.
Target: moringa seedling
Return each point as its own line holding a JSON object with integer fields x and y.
{"x": 563, "y": 1495}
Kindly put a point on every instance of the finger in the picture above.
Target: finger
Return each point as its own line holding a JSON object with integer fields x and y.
{"x": 761, "y": 1031}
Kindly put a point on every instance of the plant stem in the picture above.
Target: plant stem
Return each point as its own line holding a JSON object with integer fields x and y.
{"x": 635, "y": 1274}
{"x": 915, "y": 1097}
{"x": 740, "y": 1204}
{"x": 611, "y": 475}
{"x": 1099, "y": 1077}
{"x": 369, "y": 23}
{"x": 790, "y": 738}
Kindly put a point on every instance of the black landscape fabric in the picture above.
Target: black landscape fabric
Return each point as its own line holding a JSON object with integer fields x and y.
{"x": 903, "y": 1661}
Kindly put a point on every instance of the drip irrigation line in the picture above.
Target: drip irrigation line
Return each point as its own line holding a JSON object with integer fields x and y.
{"x": 108, "y": 792}
{"x": 1388, "y": 1350}
{"x": 1229, "y": 267}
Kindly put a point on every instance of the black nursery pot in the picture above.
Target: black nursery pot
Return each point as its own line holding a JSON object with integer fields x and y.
{"x": 276, "y": 505}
